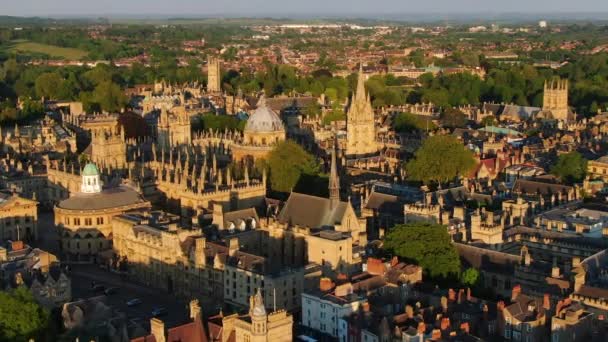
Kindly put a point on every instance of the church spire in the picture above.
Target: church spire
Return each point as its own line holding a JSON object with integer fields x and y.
{"x": 360, "y": 92}
{"x": 334, "y": 181}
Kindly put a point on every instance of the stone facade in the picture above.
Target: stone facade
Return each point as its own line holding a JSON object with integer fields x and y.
{"x": 360, "y": 124}
{"x": 18, "y": 217}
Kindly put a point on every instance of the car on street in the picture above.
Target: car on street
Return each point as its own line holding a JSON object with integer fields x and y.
{"x": 160, "y": 311}
{"x": 133, "y": 302}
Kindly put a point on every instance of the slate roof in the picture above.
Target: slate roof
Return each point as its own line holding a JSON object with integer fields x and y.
{"x": 311, "y": 211}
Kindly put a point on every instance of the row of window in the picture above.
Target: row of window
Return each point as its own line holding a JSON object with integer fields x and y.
{"x": 87, "y": 221}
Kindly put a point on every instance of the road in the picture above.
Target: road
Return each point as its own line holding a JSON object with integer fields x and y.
{"x": 83, "y": 277}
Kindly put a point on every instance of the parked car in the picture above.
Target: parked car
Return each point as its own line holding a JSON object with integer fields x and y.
{"x": 133, "y": 302}
{"x": 159, "y": 312}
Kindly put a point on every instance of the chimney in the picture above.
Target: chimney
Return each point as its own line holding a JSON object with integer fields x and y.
{"x": 195, "y": 309}
{"x": 555, "y": 273}
{"x": 515, "y": 292}
{"x": 325, "y": 284}
{"x": 218, "y": 216}
{"x": 409, "y": 311}
{"x": 436, "y": 335}
{"x": 233, "y": 246}
{"x": 17, "y": 245}
{"x": 445, "y": 323}
{"x": 421, "y": 328}
{"x": 157, "y": 329}
{"x": 500, "y": 306}
{"x": 547, "y": 302}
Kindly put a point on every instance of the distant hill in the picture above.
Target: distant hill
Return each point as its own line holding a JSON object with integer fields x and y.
{"x": 10, "y": 21}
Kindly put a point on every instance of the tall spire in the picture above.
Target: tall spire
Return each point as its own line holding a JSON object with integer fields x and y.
{"x": 360, "y": 92}
{"x": 334, "y": 181}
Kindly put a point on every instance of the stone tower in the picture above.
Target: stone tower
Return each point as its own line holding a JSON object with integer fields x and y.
{"x": 174, "y": 128}
{"x": 108, "y": 144}
{"x": 214, "y": 76}
{"x": 555, "y": 99}
{"x": 360, "y": 127}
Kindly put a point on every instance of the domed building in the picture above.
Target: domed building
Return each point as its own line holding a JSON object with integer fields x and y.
{"x": 85, "y": 218}
{"x": 264, "y": 129}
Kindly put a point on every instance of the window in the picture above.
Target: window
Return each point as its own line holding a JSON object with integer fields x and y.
{"x": 100, "y": 220}
{"x": 88, "y": 221}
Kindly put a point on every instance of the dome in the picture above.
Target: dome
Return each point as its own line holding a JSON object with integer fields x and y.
{"x": 90, "y": 170}
{"x": 264, "y": 119}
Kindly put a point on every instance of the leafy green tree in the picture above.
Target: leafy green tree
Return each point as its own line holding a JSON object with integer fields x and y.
{"x": 408, "y": 122}
{"x": 48, "y": 85}
{"x": 470, "y": 277}
{"x": 440, "y": 159}
{"x": 570, "y": 167}
{"x": 221, "y": 122}
{"x": 21, "y": 318}
{"x": 109, "y": 96}
{"x": 428, "y": 245}
{"x": 288, "y": 163}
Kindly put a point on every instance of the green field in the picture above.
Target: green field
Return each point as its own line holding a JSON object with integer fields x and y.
{"x": 50, "y": 50}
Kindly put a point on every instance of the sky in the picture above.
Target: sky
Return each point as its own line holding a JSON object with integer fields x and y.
{"x": 291, "y": 8}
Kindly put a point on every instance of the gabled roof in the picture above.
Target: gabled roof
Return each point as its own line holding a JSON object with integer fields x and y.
{"x": 312, "y": 211}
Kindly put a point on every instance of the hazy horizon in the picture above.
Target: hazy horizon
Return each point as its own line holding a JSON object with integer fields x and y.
{"x": 593, "y": 9}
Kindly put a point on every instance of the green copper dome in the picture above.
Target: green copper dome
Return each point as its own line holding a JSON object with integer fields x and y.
{"x": 90, "y": 170}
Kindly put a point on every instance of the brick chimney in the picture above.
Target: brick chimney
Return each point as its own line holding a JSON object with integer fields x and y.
{"x": 500, "y": 305}
{"x": 421, "y": 328}
{"x": 515, "y": 292}
{"x": 157, "y": 329}
{"x": 325, "y": 284}
{"x": 17, "y": 245}
{"x": 445, "y": 323}
{"x": 547, "y": 302}
{"x": 436, "y": 334}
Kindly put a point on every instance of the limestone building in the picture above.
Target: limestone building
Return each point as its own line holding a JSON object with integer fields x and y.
{"x": 214, "y": 75}
{"x": 108, "y": 146}
{"x": 18, "y": 217}
{"x": 85, "y": 218}
{"x": 264, "y": 129}
{"x": 360, "y": 124}
{"x": 260, "y": 326}
{"x": 174, "y": 128}
{"x": 555, "y": 101}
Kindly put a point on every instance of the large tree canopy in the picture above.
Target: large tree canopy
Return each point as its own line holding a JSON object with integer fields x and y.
{"x": 440, "y": 159}
{"x": 428, "y": 245}
{"x": 288, "y": 163}
{"x": 21, "y": 318}
{"x": 570, "y": 167}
